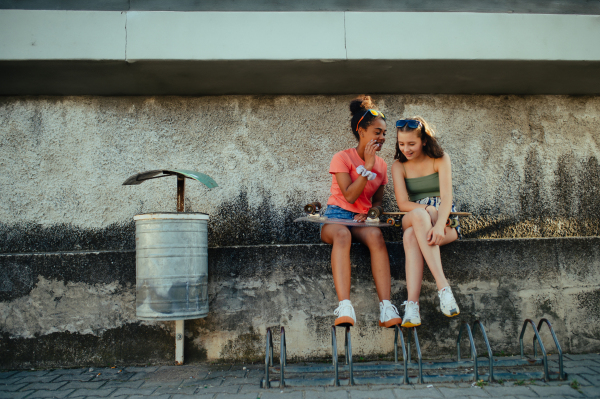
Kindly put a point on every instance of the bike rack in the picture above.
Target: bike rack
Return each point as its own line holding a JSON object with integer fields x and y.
{"x": 407, "y": 363}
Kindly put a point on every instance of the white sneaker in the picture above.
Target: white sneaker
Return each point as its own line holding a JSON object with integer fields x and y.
{"x": 345, "y": 314}
{"x": 412, "y": 318}
{"x": 448, "y": 303}
{"x": 388, "y": 314}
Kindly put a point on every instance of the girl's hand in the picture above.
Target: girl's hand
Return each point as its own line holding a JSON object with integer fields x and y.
{"x": 360, "y": 217}
{"x": 436, "y": 235}
{"x": 370, "y": 150}
{"x": 433, "y": 213}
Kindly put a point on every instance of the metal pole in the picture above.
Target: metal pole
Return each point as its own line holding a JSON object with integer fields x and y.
{"x": 180, "y": 193}
{"x": 179, "y": 342}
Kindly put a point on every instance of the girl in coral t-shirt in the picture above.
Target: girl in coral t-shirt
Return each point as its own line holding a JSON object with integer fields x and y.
{"x": 358, "y": 181}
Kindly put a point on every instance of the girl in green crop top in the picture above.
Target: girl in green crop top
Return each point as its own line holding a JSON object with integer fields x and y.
{"x": 423, "y": 186}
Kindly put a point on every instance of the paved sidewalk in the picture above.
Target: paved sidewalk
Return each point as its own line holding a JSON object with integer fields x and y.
{"x": 242, "y": 382}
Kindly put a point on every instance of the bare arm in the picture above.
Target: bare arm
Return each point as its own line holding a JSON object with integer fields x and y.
{"x": 351, "y": 189}
{"x": 445, "y": 174}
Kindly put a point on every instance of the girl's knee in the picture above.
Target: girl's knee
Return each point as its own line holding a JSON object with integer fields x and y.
{"x": 420, "y": 215}
{"x": 342, "y": 237}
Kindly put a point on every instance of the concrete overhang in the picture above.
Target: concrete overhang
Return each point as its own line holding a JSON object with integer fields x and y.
{"x": 211, "y": 53}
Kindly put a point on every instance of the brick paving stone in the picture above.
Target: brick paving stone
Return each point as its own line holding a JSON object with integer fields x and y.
{"x": 578, "y": 370}
{"x": 462, "y": 392}
{"x": 564, "y": 390}
{"x": 580, "y": 363}
{"x": 124, "y": 384}
{"x": 372, "y": 394}
{"x": 46, "y": 385}
{"x": 579, "y": 378}
{"x": 74, "y": 377}
{"x": 50, "y": 394}
{"x": 69, "y": 371}
{"x": 6, "y": 374}
{"x": 14, "y": 395}
{"x": 92, "y": 392}
{"x": 586, "y": 356}
{"x": 594, "y": 379}
{"x": 591, "y": 392}
{"x": 83, "y": 385}
{"x": 515, "y": 391}
{"x": 42, "y": 379}
{"x": 164, "y": 396}
{"x": 38, "y": 373}
{"x": 141, "y": 369}
{"x": 132, "y": 391}
{"x": 176, "y": 390}
{"x": 419, "y": 393}
{"x": 162, "y": 384}
{"x": 276, "y": 393}
{"x": 212, "y": 395}
{"x": 341, "y": 394}
{"x": 238, "y": 396}
{"x": 11, "y": 387}
{"x": 230, "y": 389}
{"x": 11, "y": 380}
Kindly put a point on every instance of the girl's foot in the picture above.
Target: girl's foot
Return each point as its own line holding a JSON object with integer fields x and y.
{"x": 388, "y": 314}
{"x": 412, "y": 318}
{"x": 345, "y": 314}
{"x": 448, "y": 303}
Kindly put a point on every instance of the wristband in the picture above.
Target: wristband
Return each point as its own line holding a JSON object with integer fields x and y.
{"x": 361, "y": 170}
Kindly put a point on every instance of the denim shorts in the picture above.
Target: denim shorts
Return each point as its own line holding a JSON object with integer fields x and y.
{"x": 335, "y": 212}
{"x": 435, "y": 202}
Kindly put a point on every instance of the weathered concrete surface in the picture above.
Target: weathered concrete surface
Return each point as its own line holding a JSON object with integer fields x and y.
{"x": 525, "y": 166}
{"x": 53, "y": 312}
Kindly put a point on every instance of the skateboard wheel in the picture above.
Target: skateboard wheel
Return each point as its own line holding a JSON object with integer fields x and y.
{"x": 313, "y": 207}
{"x": 454, "y": 223}
{"x": 375, "y": 212}
{"x": 398, "y": 223}
{"x": 391, "y": 221}
{"x": 448, "y": 222}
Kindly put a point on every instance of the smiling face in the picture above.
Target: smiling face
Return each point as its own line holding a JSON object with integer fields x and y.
{"x": 410, "y": 144}
{"x": 375, "y": 131}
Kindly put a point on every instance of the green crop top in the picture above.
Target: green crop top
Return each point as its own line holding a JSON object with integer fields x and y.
{"x": 422, "y": 187}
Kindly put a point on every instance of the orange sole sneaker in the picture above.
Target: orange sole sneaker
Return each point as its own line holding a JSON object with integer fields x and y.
{"x": 344, "y": 321}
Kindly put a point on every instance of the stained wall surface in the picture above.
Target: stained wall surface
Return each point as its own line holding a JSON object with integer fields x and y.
{"x": 525, "y": 166}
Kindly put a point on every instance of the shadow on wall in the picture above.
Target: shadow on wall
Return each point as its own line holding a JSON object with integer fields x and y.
{"x": 571, "y": 209}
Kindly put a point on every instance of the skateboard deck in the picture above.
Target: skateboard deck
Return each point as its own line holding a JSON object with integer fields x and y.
{"x": 345, "y": 222}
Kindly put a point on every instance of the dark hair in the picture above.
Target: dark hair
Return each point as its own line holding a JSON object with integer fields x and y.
{"x": 431, "y": 148}
{"x": 358, "y": 108}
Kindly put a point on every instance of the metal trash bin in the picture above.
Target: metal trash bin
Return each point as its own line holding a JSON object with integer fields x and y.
{"x": 171, "y": 266}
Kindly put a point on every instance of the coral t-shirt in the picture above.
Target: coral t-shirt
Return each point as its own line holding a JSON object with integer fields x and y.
{"x": 346, "y": 162}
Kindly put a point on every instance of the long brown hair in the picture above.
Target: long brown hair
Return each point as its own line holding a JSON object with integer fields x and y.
{"x": 431, "y": 148}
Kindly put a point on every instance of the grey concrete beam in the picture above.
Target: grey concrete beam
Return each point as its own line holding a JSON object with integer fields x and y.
{"x": 488, "y": 6}
{"x": 62, "y": 35}
{"x": 297, "y": 77}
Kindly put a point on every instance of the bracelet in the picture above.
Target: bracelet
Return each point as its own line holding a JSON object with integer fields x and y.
{"x": 361, "y": 170}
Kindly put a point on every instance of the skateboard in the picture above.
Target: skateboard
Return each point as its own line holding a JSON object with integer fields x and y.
{"x": 313, "y": 214}
{"x": 395, "y": 218}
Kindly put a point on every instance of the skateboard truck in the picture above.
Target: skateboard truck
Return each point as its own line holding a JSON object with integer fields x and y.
{"x": 313, "y": 210}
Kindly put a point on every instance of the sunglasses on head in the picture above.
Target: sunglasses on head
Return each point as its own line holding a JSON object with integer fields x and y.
{"x": 373, "y": 112}
{"x": 411, "y": 123}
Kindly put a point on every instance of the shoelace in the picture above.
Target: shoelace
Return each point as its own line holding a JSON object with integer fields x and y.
{"x": 339, "y": 309}
{"x": 412, "y": 311}
{"x": 447, "y": 296}
{"x": 395, "y": 309}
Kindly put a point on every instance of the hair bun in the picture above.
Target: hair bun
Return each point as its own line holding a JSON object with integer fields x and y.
{"x": 361, "y": 104}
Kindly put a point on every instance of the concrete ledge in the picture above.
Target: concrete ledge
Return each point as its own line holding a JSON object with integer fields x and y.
{"x": 83, "y": 301}
{"x": 62, "y": 35}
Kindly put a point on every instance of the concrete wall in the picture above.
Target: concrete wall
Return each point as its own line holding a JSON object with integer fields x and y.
{"x": 526, "y": 166}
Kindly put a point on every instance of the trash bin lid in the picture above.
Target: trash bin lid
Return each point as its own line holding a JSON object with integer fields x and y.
{"x": 155, "y": 174}
{"x": 172, "y": 215}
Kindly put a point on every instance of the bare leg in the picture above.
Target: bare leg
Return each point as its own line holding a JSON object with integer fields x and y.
{"x": 380, "y": 260}
{"x": 413, "y": 264}
{"x": 341, "y": 239}
{"x": 420, "y": 221}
